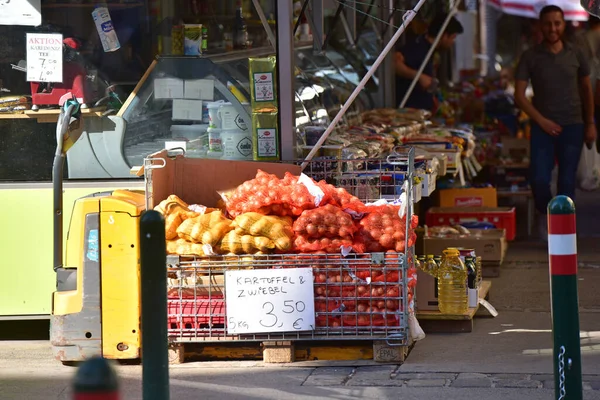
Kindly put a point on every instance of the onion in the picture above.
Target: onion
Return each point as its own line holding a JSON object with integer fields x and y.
{"x": 311, "y": 229}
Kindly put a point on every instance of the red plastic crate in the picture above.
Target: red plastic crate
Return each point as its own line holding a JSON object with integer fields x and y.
{"x": 501, "y": 217}
{"x": 186, "y": 314}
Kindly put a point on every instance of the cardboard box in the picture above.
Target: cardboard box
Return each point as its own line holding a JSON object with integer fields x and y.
{"x": 428, "y": 184}
{"x": 471, "y": 197}
{"x": 427, "y": 293}
{"x": 490, "y": 244}
{"x": 516, "y": 149}
{"x": 198, "y": 181}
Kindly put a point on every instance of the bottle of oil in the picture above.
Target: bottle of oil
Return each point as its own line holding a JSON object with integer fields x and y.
{"x": 420, "y": 262}
{"x": 438, "y": 260}
{"x": 452, "y": 284}
{"x": 431, "y": 267}
{"x": 478, "y": 268}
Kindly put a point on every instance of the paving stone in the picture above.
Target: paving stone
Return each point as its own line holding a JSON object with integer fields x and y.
{"x": 521, "y": 384}
{"x": 518, "y": 377}
{"x": 587, "y": 386}
{"x": 549, "y": 384}
{"x": 323, "y": 381}
{"x": 472, "y": 383}
{"x": 332, "y": 371}
{"x": 426, "y": 383}
{"x": 595, "y": 385}
{"x": 374, "y": 382}
{"x": 375, "y": 372}
{"x": 542, "y": 377}
{"x": 425, "y": 375}
{"x": 470, "y": 375}
{"x": 328, "y": 376}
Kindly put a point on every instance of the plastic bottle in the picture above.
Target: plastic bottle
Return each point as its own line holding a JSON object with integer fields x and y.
{"x": 240, "y": 30}
{"x": 420, "y": 262}
{"x": 431, "y": 267}
{"x": 471, "y": 272}
{"x": 478, "y": 269}
{"x": 106, "y": 31}
{"x": 452, "y": 284}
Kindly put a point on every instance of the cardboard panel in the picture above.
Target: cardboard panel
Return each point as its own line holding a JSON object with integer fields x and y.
{"x": 198, "y": 181}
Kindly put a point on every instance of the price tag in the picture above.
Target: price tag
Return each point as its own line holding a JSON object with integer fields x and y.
{"x": 270, "y": 300}
{"x": 44, "y": 57}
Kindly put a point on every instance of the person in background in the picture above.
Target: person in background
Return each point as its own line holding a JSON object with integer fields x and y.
{"x": 562, "y": 111}
{"x": 588, "y": 42}
{"x": 410, "y": 57}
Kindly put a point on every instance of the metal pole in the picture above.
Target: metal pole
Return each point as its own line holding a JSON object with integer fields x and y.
{"x": 562, "y": 251}
{"x": 95, "y": 379}
{"x": 350, "y": 18}
{"x": 316, "y": 10}
{"x": 429, "y": 54}
{"x": 407, "y": 18}
{"x": 265, "y": 24}
{"x": 153, "y": 254}
{"x": 285, "y": 79}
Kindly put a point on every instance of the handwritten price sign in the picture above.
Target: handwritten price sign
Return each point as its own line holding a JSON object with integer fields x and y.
{"x": 44, "y": 57}
{"x": 270, "y": 300}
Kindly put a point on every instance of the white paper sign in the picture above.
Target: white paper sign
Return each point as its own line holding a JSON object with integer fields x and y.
{"x": 44, "y": 57}
{"x": 187, "y": 110}
{"x": 21, "y": 12}
{"x": 202, "y": 89}
{"x": 168, "y": 88}
{"x": 270, "y": 300}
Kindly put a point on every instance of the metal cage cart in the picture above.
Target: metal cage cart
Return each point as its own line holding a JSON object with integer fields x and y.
{"x": 357, "y": 296}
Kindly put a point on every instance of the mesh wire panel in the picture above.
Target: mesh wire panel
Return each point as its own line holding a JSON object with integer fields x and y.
{"x": 356, "y": 297}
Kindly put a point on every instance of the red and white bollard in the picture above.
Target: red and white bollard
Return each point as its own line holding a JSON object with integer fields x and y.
{"x": 562, "y": 252}
{"x": 96, "y": 380}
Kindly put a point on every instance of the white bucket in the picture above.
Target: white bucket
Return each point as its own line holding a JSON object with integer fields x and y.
{"x": 230, "y": 118}
{"x": 213, "y": 113}
{"x": 237, "y": 145}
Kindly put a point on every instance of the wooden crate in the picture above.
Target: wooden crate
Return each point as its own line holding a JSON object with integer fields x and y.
{"x": 436, "y": 322}
{"x": 285, "y": 351}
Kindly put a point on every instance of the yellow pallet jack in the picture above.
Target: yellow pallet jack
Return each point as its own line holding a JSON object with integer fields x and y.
{"x": 96, "y": 304}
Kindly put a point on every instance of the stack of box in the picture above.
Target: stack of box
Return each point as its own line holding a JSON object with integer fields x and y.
{"x": 263, "y": 92}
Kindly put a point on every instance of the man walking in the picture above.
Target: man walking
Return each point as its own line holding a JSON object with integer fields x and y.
{"x": 562, "y": 111}
{"x": 410, "y": 57}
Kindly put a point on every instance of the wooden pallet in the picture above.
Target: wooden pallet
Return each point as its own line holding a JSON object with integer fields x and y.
{"x": 290, "y": 351}
{"x": 436, "y": 322}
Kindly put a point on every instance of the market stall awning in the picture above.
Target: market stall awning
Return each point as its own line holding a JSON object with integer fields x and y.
{"x": 531, "y": 8}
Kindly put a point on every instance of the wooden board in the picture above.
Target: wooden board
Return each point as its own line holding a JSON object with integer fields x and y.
{"x": 51, "y": 115}
{"x": 436, "y": 315}
{"x": 290, "y": 351}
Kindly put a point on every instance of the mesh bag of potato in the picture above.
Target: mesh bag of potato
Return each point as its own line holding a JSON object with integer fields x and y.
{"x": 277, "y": 229}
{"x": 206, "y": 229}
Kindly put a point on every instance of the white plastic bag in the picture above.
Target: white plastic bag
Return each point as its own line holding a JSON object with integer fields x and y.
{"x": 588, "y": 170}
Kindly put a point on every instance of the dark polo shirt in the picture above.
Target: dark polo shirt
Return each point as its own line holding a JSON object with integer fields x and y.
{"x": 555, "y": 81}
{"x": 414, "y": 52}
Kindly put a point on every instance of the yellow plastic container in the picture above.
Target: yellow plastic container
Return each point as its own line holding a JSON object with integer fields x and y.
{"x": 452, "y": 284}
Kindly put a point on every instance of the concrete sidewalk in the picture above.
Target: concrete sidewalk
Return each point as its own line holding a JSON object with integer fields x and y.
{"x": 508, "y": 357}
